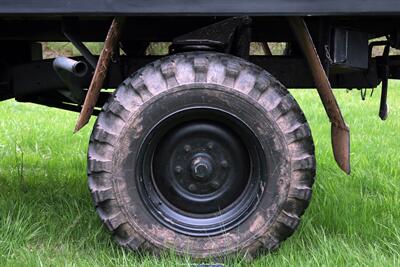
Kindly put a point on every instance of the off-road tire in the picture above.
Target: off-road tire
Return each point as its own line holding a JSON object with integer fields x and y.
{"x": 126, "y": 216}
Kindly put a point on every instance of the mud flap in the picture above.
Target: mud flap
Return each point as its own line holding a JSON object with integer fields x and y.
{"x": 340, "y": 133}
{"x": 100, "y": 72}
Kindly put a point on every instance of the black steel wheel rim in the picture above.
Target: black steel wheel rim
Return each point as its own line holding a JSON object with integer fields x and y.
{"x": 201, "y": 171}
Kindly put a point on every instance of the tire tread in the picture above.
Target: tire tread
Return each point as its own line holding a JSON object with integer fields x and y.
{"x": 213, "y": 68}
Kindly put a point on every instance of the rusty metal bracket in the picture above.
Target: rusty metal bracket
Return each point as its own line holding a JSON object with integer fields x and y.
{"x": 340, "y": 133}
{"x": 100, "y": 72}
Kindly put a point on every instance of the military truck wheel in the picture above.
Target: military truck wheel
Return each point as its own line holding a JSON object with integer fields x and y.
{"x": 204, "y": 154}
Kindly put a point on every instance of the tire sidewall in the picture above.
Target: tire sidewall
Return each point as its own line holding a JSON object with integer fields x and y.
{"x": 273, "y": 193}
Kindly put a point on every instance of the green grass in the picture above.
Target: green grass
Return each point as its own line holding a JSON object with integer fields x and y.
{"x": 47, "y": 217}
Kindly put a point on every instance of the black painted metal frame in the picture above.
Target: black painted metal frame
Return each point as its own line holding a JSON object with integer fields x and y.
{"x": 39, "y": 76}
{"x": 25, "y": 76}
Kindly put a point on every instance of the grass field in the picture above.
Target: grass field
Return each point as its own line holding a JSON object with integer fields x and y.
{"x": 47, "y": 217}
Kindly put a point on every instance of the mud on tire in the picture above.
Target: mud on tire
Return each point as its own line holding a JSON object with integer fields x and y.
{"x": 228, "y": 85}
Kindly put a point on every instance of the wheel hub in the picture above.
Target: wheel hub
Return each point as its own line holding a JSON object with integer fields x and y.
{"x": 201, "y": 170}
{"x": 200, "y": 179}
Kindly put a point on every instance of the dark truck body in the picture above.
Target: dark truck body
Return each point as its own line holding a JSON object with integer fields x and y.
{"x": 201, "y": 7}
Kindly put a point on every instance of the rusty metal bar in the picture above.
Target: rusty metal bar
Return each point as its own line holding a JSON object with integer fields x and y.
{"x": 100, "y": 72}
{"x": 340, "y": 133}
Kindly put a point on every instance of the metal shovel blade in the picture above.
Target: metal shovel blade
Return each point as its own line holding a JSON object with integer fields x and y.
{"x": 341, "y": 147}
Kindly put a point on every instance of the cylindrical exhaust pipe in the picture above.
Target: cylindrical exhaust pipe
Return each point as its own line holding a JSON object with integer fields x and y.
{"x": 71, "y": 72}
{"x": 78, "y": 68}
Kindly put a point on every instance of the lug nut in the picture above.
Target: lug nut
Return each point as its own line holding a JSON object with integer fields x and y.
{"x": 178, "y": 169}
{"x": 187, "y": 148}
{"x": 224, "y": 164}
{"x": 215, "y": 184}
{"x": 210, "y": 145}
{"x": 192, "y": 187}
